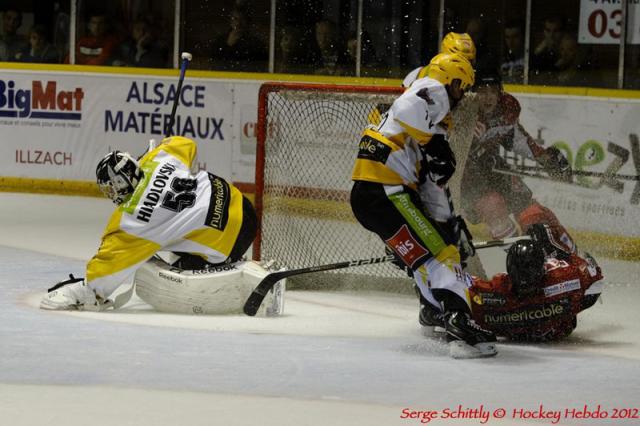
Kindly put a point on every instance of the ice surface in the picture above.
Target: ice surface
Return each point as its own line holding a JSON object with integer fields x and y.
{"x": 335, "y": 358}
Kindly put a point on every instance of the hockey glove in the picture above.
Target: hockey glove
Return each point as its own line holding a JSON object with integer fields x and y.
{"x": 556, "y": 164}
{"x": 439, "y": 160}
{"x": 73, "y": 294}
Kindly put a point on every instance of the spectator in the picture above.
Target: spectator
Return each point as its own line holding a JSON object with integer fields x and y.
{"x": 451, "y": 20}
{"x": 39, "y": 50}
{"x": 291, "y": 55}
{"x": 239, "y": 49}
{"x": 570, "y": 66}
{"x": 332, "y": 58}
{"x": 11, "y": 43}
{"x": 545, "y": 54}
{"x": 141, "y": 49}
{"x": 512, "y": 67}
{"x": 485, "y": 57}
{"x": 61, "y": 30}
{"x": 98, "y": 47}
{"x": 369, "y": 59}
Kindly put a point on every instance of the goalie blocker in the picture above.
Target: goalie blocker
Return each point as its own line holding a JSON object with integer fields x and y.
{"x": 217, "y": 290}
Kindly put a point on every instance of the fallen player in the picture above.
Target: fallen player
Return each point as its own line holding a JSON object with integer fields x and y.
{"x": 538, "y": 298}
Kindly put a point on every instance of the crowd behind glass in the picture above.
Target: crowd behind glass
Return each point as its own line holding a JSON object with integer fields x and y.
{"x": 315, "y": 37}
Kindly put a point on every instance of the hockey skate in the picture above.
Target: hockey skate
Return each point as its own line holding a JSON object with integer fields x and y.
{"x": 430, "y": 316}
{"x": 466, "y": 338}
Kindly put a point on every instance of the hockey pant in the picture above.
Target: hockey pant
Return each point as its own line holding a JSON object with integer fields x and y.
{"x": 396, "y": 215}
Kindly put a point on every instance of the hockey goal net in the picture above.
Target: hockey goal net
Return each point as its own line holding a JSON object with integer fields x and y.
{"x": 308, "y": 137}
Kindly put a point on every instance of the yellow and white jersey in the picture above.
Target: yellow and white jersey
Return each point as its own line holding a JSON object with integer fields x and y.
{"x": 389, "y": 153}
{"x": 415, "y": 74}
{"x": 171, "y": 209}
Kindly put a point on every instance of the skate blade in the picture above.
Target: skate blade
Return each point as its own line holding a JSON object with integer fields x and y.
{"x": 461, "y": 350}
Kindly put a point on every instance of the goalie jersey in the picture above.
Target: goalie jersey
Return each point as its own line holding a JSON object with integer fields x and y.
{"x": 389, "y": 153}
{"x": 171, "y": 209}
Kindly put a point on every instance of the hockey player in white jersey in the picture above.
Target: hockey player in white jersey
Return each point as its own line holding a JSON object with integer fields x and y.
{"x": 162, "y": 206}
{"x": 400, "y": 193}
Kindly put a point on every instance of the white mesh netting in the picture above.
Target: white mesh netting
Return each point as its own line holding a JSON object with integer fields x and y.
{"x": 310, "y": 145}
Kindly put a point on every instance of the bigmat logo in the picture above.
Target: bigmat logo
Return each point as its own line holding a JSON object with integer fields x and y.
{"x": 41, "y": 101}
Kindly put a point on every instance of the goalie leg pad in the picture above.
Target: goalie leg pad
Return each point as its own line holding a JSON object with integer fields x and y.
{"x": 218, "y": 290}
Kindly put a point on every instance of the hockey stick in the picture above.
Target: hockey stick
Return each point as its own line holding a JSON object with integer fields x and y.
{"x": 532, "y": 171}
{"x": 186, "y": 58}
{"x": 255, "y": 299}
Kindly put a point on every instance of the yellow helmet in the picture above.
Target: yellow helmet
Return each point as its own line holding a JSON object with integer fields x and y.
{"x": 460, "y": 43}
{"x": 446, "y": 67}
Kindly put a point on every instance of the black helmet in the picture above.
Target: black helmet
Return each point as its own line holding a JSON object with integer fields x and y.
{"x": 542, "y": 235}
{"x": 525, "y": 266}
{"x": 488, "y": 78}
{"x": 118, "y": 174}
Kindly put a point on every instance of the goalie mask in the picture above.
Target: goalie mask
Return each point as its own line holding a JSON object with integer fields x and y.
{"x": 117, "y": 175}
{"x": 525, "y": 266}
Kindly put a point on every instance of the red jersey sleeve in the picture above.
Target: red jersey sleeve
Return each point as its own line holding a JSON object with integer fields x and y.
{"x": 510, "y": 108}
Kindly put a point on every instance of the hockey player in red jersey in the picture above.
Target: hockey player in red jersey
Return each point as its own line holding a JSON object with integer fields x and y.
{"x": 503, "y": 202}
{"x": 540, "y": 296}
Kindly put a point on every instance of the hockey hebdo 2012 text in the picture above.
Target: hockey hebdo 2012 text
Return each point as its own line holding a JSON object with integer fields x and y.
{"x": 484, "y": 414}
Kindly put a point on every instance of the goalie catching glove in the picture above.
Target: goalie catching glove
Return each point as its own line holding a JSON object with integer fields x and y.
{"x": 73, "y": 294}
{"x": 556, "y": 164}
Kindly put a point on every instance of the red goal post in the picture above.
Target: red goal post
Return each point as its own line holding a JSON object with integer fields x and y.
{"x": 307, "y": 141}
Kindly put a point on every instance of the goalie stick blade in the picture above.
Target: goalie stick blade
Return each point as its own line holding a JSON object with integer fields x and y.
{"x": 255, "y": 299}
{"x": 257, "y": 296}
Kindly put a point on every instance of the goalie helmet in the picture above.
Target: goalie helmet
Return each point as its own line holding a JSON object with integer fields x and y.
{"x": 117, "y": 175}
{"x": 460, "y": 43}
{"x": 525, "y": 266}
{"x": 448, "y": 67}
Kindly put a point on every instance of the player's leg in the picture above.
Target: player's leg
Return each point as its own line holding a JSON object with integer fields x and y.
{"x": 247, "y": 233}
{"x": 444, "y": 273}
{"x": 396, "y": 215}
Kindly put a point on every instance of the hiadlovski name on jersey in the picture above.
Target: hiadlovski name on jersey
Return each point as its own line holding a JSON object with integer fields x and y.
{"x": 218, "y": 213}
{"x": 152, "y": 197}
